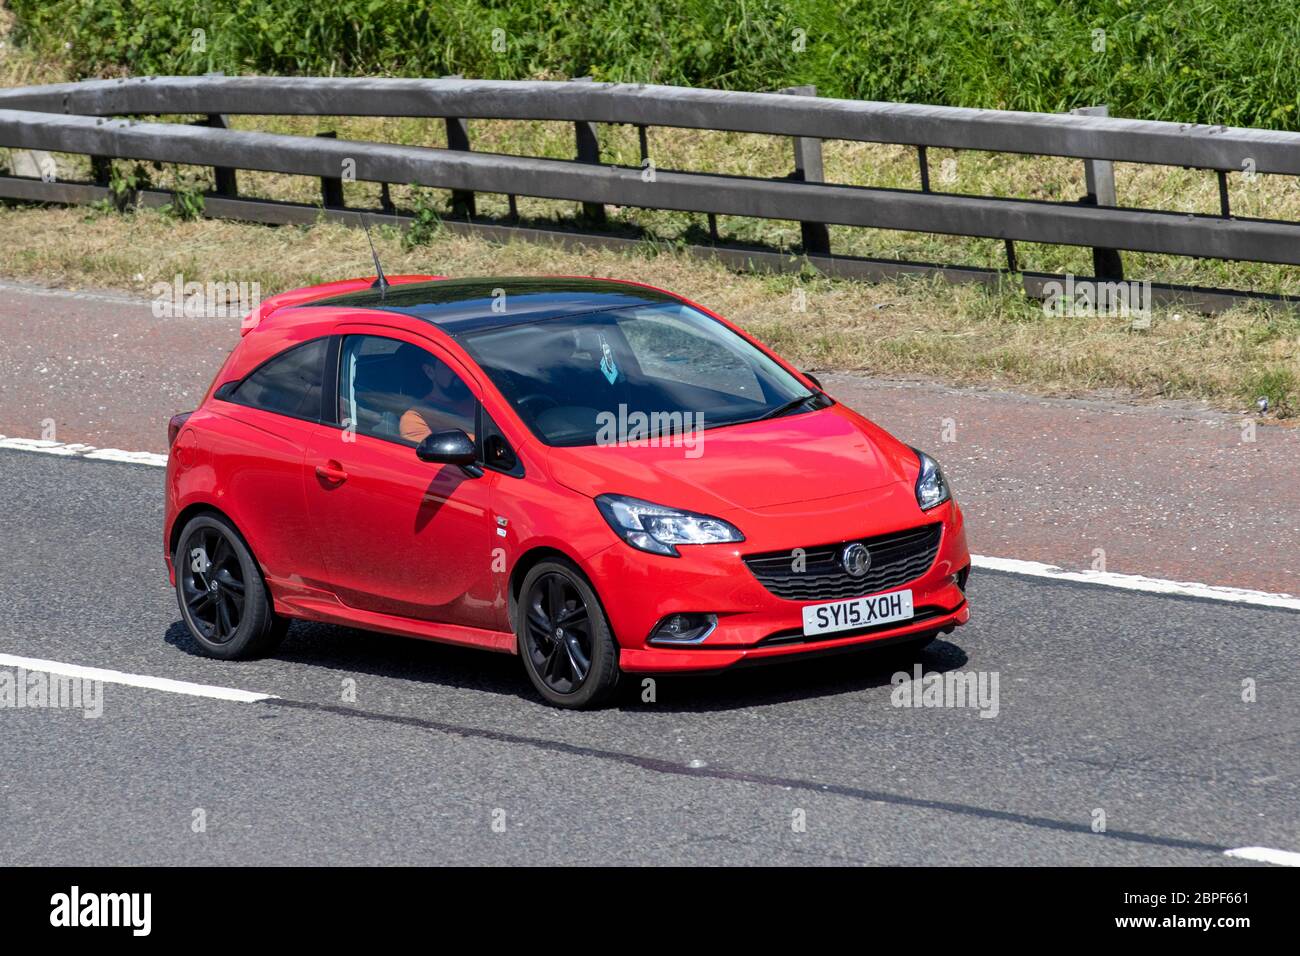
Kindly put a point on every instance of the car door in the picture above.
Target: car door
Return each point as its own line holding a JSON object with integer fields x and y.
{"x": 398, "y": 535}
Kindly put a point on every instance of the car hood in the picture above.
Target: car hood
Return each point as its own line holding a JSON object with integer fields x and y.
{"x": 794, "y": 458}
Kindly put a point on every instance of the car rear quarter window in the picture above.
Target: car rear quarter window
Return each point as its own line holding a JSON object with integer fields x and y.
{"x": 289, "y": 384}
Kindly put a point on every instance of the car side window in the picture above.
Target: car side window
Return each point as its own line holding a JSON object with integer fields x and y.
{"x": 288, "y": 384}
{"x": 399, "y": 392}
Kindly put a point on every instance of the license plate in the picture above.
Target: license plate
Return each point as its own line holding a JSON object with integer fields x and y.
{"x": 857, "y": 612}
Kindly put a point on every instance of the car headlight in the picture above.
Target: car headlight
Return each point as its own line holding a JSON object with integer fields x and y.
{"x": 931, "y": 488}
{"x": 656, "y": 528}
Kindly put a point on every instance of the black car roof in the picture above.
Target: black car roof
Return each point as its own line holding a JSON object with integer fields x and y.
{"x": 464, "y": 305}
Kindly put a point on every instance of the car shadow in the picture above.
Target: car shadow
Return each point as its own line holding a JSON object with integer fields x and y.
{"x": 787, "y": 681}
{"x": 357, "y": 652}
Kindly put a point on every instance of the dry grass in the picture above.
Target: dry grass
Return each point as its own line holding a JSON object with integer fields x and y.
{"x": 904, "y": 328}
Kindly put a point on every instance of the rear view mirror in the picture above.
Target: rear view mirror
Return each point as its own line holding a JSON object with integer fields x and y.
{"x": 452, "y": 447}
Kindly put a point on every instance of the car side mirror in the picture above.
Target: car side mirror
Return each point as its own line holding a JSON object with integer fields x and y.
{"x": 452, "y": 447}
{"x": 813, "y": 378}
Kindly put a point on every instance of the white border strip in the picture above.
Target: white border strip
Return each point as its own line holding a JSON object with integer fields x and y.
{"x": 1138, "y": 582}
{"x": 1264, "y": 854}
{"x": 133, "y": 680}
{"x": 1034, "y": 569}
{"x": 83, "y": 451}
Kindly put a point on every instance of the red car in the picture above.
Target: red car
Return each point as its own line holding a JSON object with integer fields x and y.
{"x": 598, "y": 476}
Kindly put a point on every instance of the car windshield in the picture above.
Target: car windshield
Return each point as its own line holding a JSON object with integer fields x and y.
{"x": 634, "y": 372}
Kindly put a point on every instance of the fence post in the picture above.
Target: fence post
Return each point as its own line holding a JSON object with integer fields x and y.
{"x": 331, "y": 187}
{"x": 101, "y": 170}
{"x": 223, "y": 176}
{"x": 1099, "y": 175}
{"x": 587, "y": 143}
{"x": 815, "y": 236}
{"x": 463, "y": 205}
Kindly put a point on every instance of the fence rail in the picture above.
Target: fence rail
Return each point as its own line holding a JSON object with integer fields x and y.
{"x": 80, "y": 118}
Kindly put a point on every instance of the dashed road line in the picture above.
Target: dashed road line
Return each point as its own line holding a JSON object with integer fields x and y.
{"x": 1263, "y": 854}
{"x": 1137, "y": 582}
{"x": 74, "y": 450}
{"x": 144, "y": 681}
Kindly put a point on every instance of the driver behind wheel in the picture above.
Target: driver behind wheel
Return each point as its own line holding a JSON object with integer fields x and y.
{"x": 447, "y": 403}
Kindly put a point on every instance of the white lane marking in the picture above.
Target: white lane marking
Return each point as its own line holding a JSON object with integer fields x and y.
{"x": 1138, "y": 582}
{"x": 74, "y": 450}
{"x": 133, "y": 680}
{"x": 1035, "y": 569}
{"x": 130, "y": 457}
{"x": 1264, "y": 854}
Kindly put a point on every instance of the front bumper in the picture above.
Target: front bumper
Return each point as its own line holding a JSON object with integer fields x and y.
{"x": 754, "y": 625}
{"x": 664, "y": 660}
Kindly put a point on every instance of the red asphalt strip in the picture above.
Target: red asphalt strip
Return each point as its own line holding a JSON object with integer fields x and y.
{"x": 1169, "y": 491}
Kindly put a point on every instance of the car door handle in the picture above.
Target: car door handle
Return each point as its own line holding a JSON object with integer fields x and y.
{"x": 331, "y": 471}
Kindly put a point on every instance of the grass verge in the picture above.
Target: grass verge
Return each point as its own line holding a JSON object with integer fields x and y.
{"x": 906, "y": 328}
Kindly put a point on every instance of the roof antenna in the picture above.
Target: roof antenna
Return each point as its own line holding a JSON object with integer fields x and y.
{"x": 381, "y": 280}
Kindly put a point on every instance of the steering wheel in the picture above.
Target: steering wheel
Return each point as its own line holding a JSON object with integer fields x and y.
{"x": 536, "y": 397}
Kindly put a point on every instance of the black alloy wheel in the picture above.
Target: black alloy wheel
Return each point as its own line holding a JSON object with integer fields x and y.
{"x": 219, "y": 588}
{"x": 564, "y": 636}
{"x": 212, "y": 584}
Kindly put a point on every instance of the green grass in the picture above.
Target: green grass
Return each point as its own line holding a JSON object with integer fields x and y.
{"x": 1206, "y": 61}
{"x": 1279, "y": 385}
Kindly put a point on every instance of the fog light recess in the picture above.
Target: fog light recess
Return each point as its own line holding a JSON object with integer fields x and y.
{"x": 961, "y": 577}
{"x": 684, "y": 628}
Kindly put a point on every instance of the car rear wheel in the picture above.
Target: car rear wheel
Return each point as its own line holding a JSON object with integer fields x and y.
{"x": 222, "y": 597}
{"x": 564, "y": 637}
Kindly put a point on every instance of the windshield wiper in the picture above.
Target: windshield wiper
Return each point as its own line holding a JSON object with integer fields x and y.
{"x": 787, "y": 407}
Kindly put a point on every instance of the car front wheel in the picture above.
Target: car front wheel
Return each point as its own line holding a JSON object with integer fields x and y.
{"x": 564, "y": 637}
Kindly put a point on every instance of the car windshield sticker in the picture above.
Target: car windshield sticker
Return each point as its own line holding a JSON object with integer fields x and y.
{"x": 607, "y": 361}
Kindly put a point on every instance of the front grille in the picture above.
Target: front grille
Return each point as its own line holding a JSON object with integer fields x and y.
{"x": 895, "y": 559}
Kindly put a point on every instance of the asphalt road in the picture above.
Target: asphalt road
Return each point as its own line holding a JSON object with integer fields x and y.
{"x": 1115, "y": 701}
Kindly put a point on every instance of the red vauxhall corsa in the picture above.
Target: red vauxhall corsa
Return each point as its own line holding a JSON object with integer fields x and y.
{"x": 598, "y": 476}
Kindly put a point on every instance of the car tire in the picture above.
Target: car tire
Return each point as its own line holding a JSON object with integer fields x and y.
{"x": 556, "y": 642}
{"x": 221, "y": 594}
